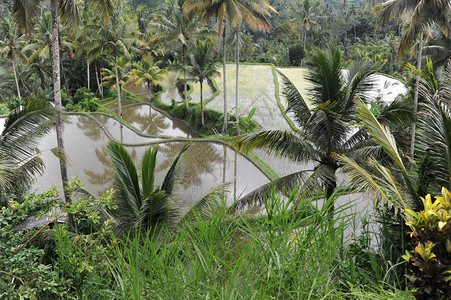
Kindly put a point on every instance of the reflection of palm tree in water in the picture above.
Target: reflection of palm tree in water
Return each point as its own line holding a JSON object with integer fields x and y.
{"x": 148, "y": 121}
{"x": 224, "y": 167}
{"x": 201, "y": 158}
{"x": 105, "y": 177}
{"x": 89, "y": 128}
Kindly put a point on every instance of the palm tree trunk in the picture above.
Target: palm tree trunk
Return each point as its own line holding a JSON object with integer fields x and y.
{"x": 224, "y": 168}
{"x": 98, "y": 81}
{"x": 16, "y": 79}
{"x": 415, "y": 96}
{"x": 237, "y": 59}
{"x": 224, "y": 60}
{"x": 89, "y": 77}
{"x": 56, "y": 72}
{"x": 201, "y": 106}
{"x": 118, "y": 87}
{"x": 330, "y": 189}
{"x": 235, "y": 168}
{"x": 185, "y": 89}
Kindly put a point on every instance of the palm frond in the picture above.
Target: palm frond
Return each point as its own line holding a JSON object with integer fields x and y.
{"x": 203, "y": 205}
{"x": 169, "y": 179}
{"x": 398, "y": 112}
{"x": 296, "y": 102}
{"x": 129, "y": 194}
{"x": 24, "y": 13}
{"x": 285, "y": 185}
{"x": 385, "y": 139}
{"x": 281, "y": 143}
{"x": 69, "y": 14}
{"x": 363, "y": 180}
{"x": 148, "y": 171}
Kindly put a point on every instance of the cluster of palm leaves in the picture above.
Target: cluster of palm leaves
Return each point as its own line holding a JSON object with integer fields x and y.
{"x": 326, "y": 126}
{"x": 140, "y": 204}
{"x": 392, "y": 182}
{"x": 19, "y": 155}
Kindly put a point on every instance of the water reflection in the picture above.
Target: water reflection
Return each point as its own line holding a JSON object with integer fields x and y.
{"x": 121, "y": 133}
{"x": 205, "y": 165}
{"x": 89, "y": 128}
{"x": 153, "y": 122}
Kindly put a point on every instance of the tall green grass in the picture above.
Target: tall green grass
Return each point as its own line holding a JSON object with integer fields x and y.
{"x": 215, "y": 255}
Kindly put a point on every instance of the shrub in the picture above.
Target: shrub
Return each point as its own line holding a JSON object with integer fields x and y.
{"x": 13, "y": 102}
{"x": 82, "y": 94}
{"x": 429, "y": 263}
{"x": 4, "y": 109}
{"x": 213, "y": 119}
{"x": 296, "y": 54}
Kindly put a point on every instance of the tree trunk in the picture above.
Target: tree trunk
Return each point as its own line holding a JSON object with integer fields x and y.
{"x": 224, "y": 60}
{"x": 98, "y": 81}
{"x": 56, "y": 72}
{"x": 415, "y": 96}
{"x": 224, "y": 168}
{"x": 89, "y": 77}
{"x": 237, "y": 59}
{"x": 201, "y": 105}
{"x": 16, "y": 79}
{"x": 185, "y": 89}
{"x": 118, "y": 87}
{"x": 330, "y": 189}
{"x": 235, "y": 175}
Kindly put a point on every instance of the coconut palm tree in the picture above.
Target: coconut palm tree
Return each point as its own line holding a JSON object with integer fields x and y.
{"x": 175, "y": 28}
{"x": 19, "y": 155}
{"x": 118, "y": 37}
{"x": 253, "y": 12}
{"x": 304, "y": 18}
{"x": 202, "y": 66}
{"x": 392, "y": 183}
{"x": 146, "y": 71}
{"x": 10, "y": 47}
{"x": 6, "y": 83}
{"x": 434, "y": 140}
{"x": 117, "y": 77}
{"x": 438, "y": 49}
{"x": 24, "y": 13}
{"x": 325, "y": 128}
{"x": 141, "y": 204}
{"x": 257, "y": 19}
{"x": 419, "y": 15}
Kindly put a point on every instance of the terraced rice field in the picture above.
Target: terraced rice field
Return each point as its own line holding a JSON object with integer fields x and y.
{"x": 256, "y": 89}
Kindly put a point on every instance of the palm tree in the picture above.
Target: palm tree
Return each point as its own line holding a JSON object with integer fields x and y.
{"x": 202, "y": 66}
{"x": 253, "y": 12}
{"x": 10, "y": 47}
{"x": 438, "y": 49}
{"x": 6, "y": 83}
{"x": 19, "y": 156}
{"x": 176, "y": 28}
{"x": 325, "y": 128}
{"x": 140, "y": 204}
{"x": 117, "y": 77}
{"x": 305, "y": 18}
{"x": 256, "y": 18}
{"x": 392, "y": 183}
{"x": 434, "y": 140}
{"x": 420, "y": 15}
{"x": 24, "y": 13}
{"x": 146, "y": 71}
{"x": 118, "y": 37}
